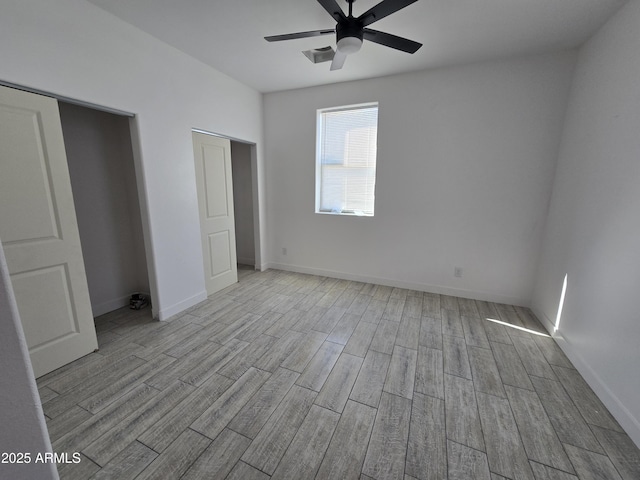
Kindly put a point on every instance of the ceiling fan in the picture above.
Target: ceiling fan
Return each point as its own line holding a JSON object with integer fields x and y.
{"x": 351, "y": 31}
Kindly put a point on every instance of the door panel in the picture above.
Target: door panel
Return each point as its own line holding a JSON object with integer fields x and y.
{"x": 214, "y": 159}
{"x": 215, "y": 199}
{"x": 53, "y": 303}
{"x": 219, "y": 247}
{"x": 39, "y": 232}
{"x": 25, "y": 161}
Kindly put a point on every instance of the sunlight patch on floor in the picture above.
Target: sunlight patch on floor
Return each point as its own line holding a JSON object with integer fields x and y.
{"x": 528, "y": 330}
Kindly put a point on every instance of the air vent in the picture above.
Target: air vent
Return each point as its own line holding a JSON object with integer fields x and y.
{"x": 319, "y": 55}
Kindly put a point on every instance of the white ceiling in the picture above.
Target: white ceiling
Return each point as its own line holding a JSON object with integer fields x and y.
{"x": 228, "y": 34}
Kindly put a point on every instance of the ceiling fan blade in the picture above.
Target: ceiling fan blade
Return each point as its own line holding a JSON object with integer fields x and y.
{"x": 333, "y": 8}
{"x": 381, "y": 10}
{"x": 392, "y": 41}
{"x": 338, "y": 60}
{"x": 291, "y": 36}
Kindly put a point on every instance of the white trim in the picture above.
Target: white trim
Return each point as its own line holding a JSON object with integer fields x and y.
{"x": 627, "y": 421}
{"x": 62, "y": 98}
{"x": 391, "y": 282}
{"x": 179, "y": 307}
{"x": 116, "y": 303}
{"x": 320, "y": 141}
{"x": 546, "y": 322}
{"x": 222, "y": 135}
{"x": 246, "y": 261}
{"x": 110, "y": 305}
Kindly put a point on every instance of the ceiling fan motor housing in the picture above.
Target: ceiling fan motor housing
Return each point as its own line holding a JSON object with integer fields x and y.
{"x": 350, "y": 31}
{"x": 349, "y": 36}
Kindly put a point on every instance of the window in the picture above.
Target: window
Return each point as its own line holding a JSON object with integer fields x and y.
{"x": 346, "y": 146}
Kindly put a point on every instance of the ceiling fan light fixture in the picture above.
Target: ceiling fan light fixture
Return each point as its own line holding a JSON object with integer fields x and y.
{"x": 350, "y": 31}
{"x": 349, "y": 45}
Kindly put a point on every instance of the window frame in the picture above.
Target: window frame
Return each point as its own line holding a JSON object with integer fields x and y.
{"x": 318, "y": 159}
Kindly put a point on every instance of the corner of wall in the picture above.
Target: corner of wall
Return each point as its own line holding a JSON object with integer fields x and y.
{"x": 597, "y": 146}
{"x": 166, "y": 313}
{"x": 597, "y": 384}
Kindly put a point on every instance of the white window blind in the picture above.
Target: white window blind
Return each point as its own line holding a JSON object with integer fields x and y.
{"x": 346, "y": 160}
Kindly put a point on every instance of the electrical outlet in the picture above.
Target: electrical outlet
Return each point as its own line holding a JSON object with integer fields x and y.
{"x": 284, "y": 250}
{"x": 457, "y": 272}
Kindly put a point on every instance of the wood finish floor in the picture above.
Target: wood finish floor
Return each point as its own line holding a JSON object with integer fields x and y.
{"x": 294, "y": 376}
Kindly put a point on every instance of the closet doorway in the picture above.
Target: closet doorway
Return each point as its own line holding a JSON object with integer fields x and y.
{"x": 226, "y": 181}
{"x": 105, "y": 194}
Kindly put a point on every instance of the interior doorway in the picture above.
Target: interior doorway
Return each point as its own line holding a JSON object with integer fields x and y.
{"x": 103, "y": 180}
{"x": 39, "y": 233}
{"x": 243, "y": 200}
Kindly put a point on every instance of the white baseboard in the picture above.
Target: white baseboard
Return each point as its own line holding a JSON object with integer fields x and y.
{"x": 390, "y": 282}
{"x": 116, "y": 303}
{"x": 176, "y": 308}
{"x": 110, "y": 306}
{"x": 246, "y": 261}
{"x": 624, "y": 417}
{"x": 261, "y": 267}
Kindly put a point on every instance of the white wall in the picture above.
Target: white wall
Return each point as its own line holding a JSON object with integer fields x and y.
{"x": 466, "y": 158}
{"x": 72, "y": 48}
{"x": 593, "y": 228}
{"x": 103, "y": 180}
{"x": 243, "y": 202}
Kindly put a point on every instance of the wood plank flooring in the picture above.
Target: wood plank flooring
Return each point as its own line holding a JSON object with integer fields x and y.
{"x": 292, "y": 376}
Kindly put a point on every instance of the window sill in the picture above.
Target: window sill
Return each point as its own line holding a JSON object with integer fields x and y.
{"x": 346, "y": 214}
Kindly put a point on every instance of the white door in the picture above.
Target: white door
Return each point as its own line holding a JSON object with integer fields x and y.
{"x": 215, "y": 201}
{"x": 39, "y": 232}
